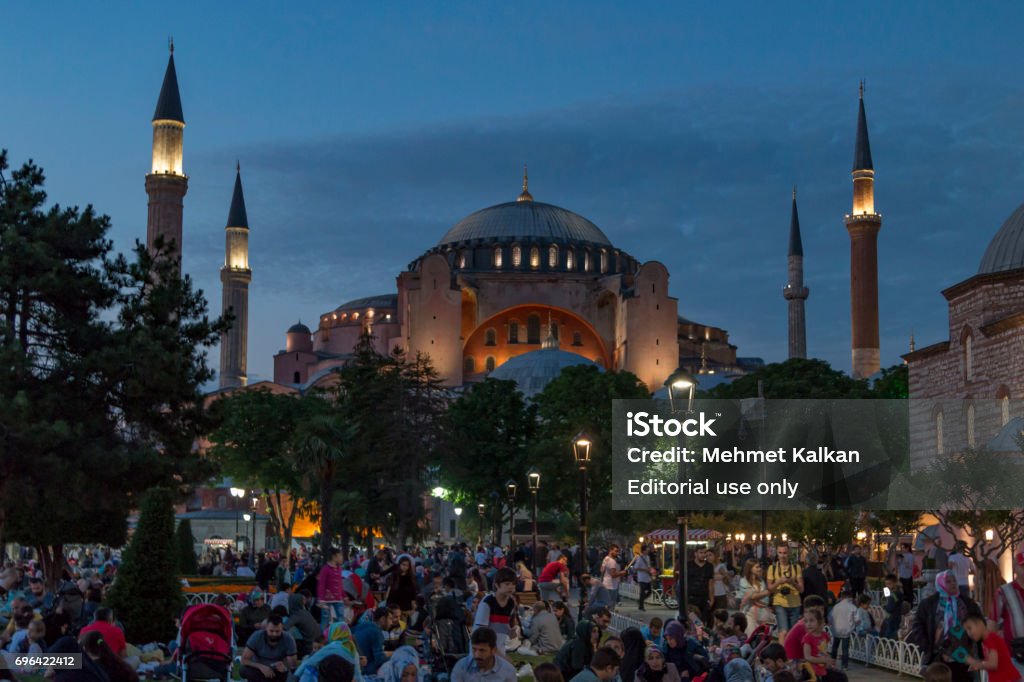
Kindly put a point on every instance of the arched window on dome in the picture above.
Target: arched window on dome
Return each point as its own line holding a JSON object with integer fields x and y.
{"x": 587, "y": 264}
{"x": 970, "y": 426}
{"x": 534, "y": 257}
{"x": 577, "y": 339}
{"x": 604, "y": 261}
{"x": 296, "y": 378}
{"x": 517, "y": 256}
{"x": 533, "y": 329}
{"x": 462, "y": 259}
{"x": 490, "y": 338}
{"x": 497, "y": 256}
{"x": 513, "y": 331}
{"x": 570, "y": 260}
{"x": 552, "y": 257}
{"x": 489, "y": 364}
{"x": 940, "y": 446}
{"x": 468, "y": 366}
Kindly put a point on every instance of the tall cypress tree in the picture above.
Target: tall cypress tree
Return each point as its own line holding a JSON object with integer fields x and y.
{"x": 147, "y": 593}
{"x": 185, "y": 543}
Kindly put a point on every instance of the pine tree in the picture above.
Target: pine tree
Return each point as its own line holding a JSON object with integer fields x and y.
{"x": 146, "y": 596}
{"x": 185, "y": 543}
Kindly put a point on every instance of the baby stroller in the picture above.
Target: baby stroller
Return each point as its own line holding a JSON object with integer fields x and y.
{"x": 762, "y": 636}
{"x": 204, "y": 643}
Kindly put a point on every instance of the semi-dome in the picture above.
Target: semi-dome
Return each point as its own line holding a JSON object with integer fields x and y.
{"x": 526, "y": 220}
{"x": 534, "y": 370}
{"x": 1006, "y": 250}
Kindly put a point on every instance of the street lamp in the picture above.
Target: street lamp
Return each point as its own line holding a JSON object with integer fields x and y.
{"x": 237, "y": 493}
{"x": 252, "y": 546}
{"x": 533, "y": 481}
{"x": 480, "y": 508}
{"x": 581, "y": 450}
{"x": 510, "y": 489}
{"x": 681, "y": 388}
{"x": 458, "y": 513}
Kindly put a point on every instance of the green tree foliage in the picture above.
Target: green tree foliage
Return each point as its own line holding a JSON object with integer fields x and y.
{"x": 831, "y": 528}
{"x": 105, "y": 361}
{"x": 147, "y": 593}
{"x": 580, "y": 399}
{"x": 894, "y": 383}
{"x": 185, "y": 542}
{"x": 795, "y": 378}
{"x": 485, "y": 442}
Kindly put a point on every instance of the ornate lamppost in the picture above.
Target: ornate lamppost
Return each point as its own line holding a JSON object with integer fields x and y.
{"x": 581, "y": 451}
{"x": 533, "y": 479}
{"x": 681, "y": 388}
{"x": 510, "y": 490}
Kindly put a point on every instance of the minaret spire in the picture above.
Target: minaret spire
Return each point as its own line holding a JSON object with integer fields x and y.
{"x": 795, "y": 292}
{"x": 525, "y": 195}
{"x": 166, "y": 184}
{"x": 235, "y": 277}
{"x": 863, "y": 224}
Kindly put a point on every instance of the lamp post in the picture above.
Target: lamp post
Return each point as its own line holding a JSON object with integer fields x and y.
{"x": 480, "y": 508}
{"x": 237, "y": 493}
{"x": 247, "y": 517}
{"x": 533, "y": 479}
{"x": 510, "y": 490}
{"x": 681, "y": 388}
{"x": 252, "y": 545}
{"x": 458, "y": 513}
{"x": 581, "y": 449}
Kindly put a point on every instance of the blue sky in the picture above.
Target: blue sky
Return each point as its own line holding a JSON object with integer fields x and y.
{"x": 365, "y": 131}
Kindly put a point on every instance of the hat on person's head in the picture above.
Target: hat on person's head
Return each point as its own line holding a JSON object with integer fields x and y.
{"x": 256, "y": 594}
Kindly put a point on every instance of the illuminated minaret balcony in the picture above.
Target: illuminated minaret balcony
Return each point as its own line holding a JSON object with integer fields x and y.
{"x": 168, "y": 142}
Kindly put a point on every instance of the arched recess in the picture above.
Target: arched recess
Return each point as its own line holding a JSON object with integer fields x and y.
{"x": 591, "y": 346}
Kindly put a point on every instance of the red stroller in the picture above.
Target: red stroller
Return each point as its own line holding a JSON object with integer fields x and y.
{"x": 205, "y": 650}
{"x": 762, "y": 636}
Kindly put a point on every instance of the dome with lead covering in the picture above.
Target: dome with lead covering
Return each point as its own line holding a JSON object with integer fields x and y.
{"x": 1006, "y": 250}
{"x": 525, "y": 221}
{"x": 534, "y": 370}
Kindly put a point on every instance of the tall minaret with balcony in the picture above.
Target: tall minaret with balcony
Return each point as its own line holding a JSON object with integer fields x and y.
{"x": 795, "y": 292}
{"x": 235, "y": 277}
{"x": 863, "y": 224}
{"x": 167, "y": 183}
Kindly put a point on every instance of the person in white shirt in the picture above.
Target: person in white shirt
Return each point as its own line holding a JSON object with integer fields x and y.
{"x": 642, "y": 567}
{"x": 843, "y": 618}
{"x": 962, "y": 566}
{"x": 611, "y": 573}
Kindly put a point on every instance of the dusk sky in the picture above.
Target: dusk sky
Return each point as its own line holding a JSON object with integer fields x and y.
{"x": 365, "y": 131}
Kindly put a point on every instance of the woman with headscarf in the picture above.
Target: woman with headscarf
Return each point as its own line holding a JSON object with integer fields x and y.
{"x": 654, "y": 668}
{"x": 340, "y": 642}
{"x": 633, "y": 647}
{"x": 403, "y": 666}
{"x": 681, "y": 651}
{"x": 938, "y": 627}
{"x": 402, "y": 589}
{"x": 575, "y": 654}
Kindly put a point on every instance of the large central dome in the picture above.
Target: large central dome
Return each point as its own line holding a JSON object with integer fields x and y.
{"x": 525, "y": 220}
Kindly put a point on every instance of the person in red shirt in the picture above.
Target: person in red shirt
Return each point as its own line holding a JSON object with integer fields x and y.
{"x": 112, "y": 635}
{"x": 794, "y": 641}
{"x": 815, "y": 644}
{"x": 554, "y": 580}
{"x": 997, "y": 660}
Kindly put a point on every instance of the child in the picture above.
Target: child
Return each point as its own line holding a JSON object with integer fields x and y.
{"x": 938, "y": 672}
{"x": 842, "y": 617}
{"x": 815, "y": 644}
{"x": 893, "y": 607}
{"x": 773, "y": 661}
{"x": 997, "y": 660}
{"x": 36, "y": 642}
{"x": 652, "y": 633}
{"x": 863, "y": 623}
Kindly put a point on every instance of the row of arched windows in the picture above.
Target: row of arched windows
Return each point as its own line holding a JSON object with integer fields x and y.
{"x": 469, "y": 365}
{"x": 553, "y": 258}
{"x": 533, "y": 333}
{"x": 970, "y": 424}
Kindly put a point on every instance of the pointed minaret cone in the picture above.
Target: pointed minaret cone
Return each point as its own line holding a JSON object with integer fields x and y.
{"x": 863, "y": 224}
{"x": 166, "y": 183}
{"x": 235, "y": 277}
{"x": 795, "y": 292}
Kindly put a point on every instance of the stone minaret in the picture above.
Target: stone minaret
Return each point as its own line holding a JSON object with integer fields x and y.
{"x": 166, "y": 184}
{"x": 795, "y": 292}
{"x": 863, "y": 225}
{"x": 235, "y": 277}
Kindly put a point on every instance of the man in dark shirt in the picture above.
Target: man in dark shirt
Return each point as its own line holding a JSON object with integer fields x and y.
{"x": 816, "y": 583}
{"x": 857, "y": 570}
{"x": 270, "y": 653}
{"x": 700, "y": 575}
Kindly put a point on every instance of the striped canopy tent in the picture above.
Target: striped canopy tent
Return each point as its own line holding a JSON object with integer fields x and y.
{"x": 672, "y": 534}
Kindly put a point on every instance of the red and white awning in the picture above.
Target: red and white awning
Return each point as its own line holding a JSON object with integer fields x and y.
{"x": 672, "y": 534}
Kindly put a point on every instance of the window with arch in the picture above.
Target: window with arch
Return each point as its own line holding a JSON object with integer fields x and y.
{"x": 222, "y": 502}
{"x": 968, "y": 357}
{"x": 570, "y": 261}
{"x": 1004, "y": 408}
{"x": 490, "y": 338}
{"x": 940, "y": 446}
{"x": 604, "y": 261}
{"x": 533, "y": 329}
{"x": 552, "y": 256}
{"x": 497, "y": 256}
{"x": 970, "y": 426}
{"x": 513, "y": 331}
{"x": 296, "y": 378}
{"x": 534, "y": 257}
{"x": 577, "y": 339}
{"x": 468, "y": 366}
{"x": 517, "y": 256}
{"x": 587, "y": 265}
{"x": 489, "y": 363}
{"x": 462, "y": 259}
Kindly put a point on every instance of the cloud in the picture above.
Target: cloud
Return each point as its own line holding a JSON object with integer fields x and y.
{"x": 698, "y": 179}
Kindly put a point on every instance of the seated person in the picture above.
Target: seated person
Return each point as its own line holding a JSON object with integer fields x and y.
{"x": 103, "y": 623}
{"x": 269, "y": 654}
{"x": 483, "y": 661}
{"x": 369, "y": 636}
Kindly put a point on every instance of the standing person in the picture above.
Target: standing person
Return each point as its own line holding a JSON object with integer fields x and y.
{"x": 457, "y": 568}
{"x": 786, "y": 585}
{"x": 330, "y": 589}
{"x": 905, "y": 572}
{"x": 996, "y": 658}
{"x": 962, "y": 566}
{"x": 1010, "y": 612}
{"x": 554, "y": 579}
{"x": 402, "y": 589}
{"x": 856, "y": 570}
{"x": 815, "y": 647}
{"x": 644, "y": 575}
{"x": 720, "y": 591}
{"x": 815, "y": 582}
{"x": 484, "y": 663}
{"x": 939, "y": 555}
{"x": 843, "y": 621}
{"x": 937, "y": 627}
{"x": 611, "y": 573}
{"x": 497, "y": 612}
{"x": 754, "y": 595}
{"x": 701, "y": 578}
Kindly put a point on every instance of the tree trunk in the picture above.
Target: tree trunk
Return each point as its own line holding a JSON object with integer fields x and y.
{"x": 346, "y": 538}
{"x": 52, "y": 559}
